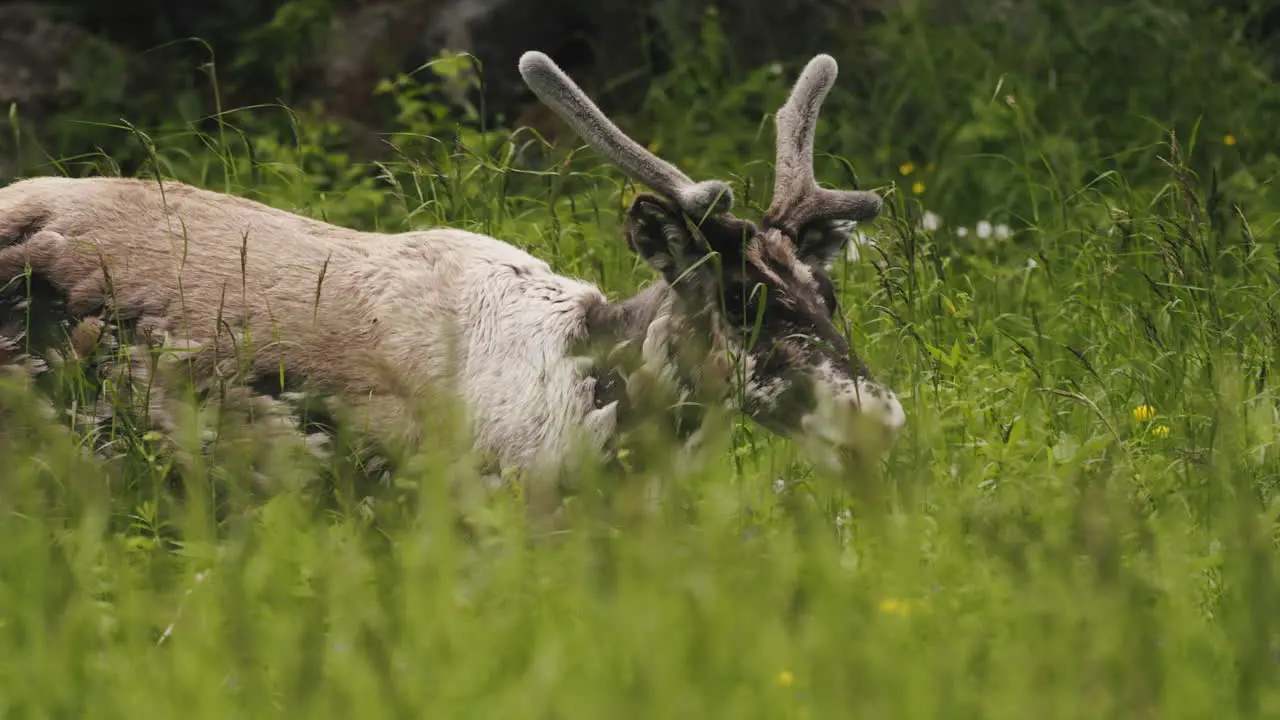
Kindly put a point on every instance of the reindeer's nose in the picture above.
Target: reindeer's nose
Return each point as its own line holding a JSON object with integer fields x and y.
{"x": 879, "y": 404}
{"x": 870, "y": 432}
{"x": 860, "y": 422}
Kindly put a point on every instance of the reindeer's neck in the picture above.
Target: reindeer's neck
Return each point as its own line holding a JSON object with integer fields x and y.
{"x": 638, "y": 363}
{"x": 629, "y": 320}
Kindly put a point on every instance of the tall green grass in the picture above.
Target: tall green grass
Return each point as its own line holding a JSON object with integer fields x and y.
{"x": 1081, "y": 519}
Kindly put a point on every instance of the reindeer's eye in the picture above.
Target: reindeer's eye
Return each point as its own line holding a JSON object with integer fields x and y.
{"x": 742, "y": 301}
{"x": 828, "y": 291}
{"x": 733, "y": 301}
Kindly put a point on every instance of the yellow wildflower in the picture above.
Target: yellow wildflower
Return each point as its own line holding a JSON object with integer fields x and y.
{"x": 1160, "y": 431}
{"x": 1142, "y": 413}
{"x": 655, "y": 147}
{"x": 785, "y": 678}
{"x": 907, "y": 168}
{"x": 1228, "y": 139}
{"x": 918, "y": 188}
{"x": 893, "y": 606}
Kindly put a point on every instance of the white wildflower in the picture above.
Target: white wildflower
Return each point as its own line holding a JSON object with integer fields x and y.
{"x": 930, "y": 221}
{"x": 984, "y": 229}
{"x": 859, "y": 239}
{"x": 775, "y": 69}
{"x": 962, "y": 231}
{"x": 1032, "y": 264}
{"x": 1002, "y": 231}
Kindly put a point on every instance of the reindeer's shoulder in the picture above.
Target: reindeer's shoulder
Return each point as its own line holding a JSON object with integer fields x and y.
{"x": 487, "y": 276}
{"x": 484, "y": 263}
{"x": 477, "y": 249}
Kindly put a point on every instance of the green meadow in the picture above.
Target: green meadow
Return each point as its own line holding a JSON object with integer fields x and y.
{"x": 1073, "y": 289}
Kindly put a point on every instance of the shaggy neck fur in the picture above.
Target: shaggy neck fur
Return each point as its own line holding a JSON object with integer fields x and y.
{"x": 639, "y": 361}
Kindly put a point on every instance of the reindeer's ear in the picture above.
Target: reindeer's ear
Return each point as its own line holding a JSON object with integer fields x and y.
{"x": 657, "y": 231}
{"x": 822, "y": 240}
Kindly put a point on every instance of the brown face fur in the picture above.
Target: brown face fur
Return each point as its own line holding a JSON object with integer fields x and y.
{"x": 791, "y": 347}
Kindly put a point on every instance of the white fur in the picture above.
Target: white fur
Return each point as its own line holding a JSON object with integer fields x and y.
{"x": 858, "y": 415}
{"x": 385, "y": 321}
{"x": 508, "y": 322}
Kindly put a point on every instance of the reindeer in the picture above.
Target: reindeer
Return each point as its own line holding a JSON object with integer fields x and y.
{"x": 382, "y": 321}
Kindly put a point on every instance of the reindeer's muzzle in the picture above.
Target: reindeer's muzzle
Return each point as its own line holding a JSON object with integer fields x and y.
{"x": 856, "y": 424}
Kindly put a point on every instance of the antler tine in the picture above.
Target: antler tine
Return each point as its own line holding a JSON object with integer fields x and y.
{"x": 563, "y": 96}
{"x": 797, "y": 198}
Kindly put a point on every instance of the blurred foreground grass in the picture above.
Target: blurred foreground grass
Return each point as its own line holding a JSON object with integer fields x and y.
{"x": 1081, "y": 520}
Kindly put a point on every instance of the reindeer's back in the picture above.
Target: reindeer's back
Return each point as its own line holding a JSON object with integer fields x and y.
{"x": 194, "y": 264}
{"x": 363, "y": 314}
{"x": 160, "y": 231}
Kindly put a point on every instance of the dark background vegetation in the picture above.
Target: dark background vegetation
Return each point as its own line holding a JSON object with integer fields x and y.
{"x": 1129, "y": 70}
{"x": 147, "y": 60}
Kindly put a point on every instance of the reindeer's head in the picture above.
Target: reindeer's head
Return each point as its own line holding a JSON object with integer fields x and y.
{"x": 770, "y": 298}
